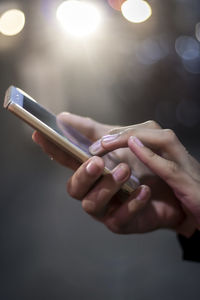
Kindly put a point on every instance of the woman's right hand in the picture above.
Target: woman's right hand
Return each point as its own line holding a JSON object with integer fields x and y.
{"x": 162, "y": 152}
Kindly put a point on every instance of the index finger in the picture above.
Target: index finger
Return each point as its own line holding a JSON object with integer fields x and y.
{"x": 161, "y": 140}
{"x": 169, "y": 170}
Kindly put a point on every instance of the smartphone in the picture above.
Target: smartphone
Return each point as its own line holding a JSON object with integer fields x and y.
{"x": 71, "y": 140}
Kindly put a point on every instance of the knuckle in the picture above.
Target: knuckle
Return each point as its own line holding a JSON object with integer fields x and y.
{"x": 152, "y": 124}
{"x": 89, "y": 207}
{"x": 173, "y": 169}
{"x": 115, "y": 130}
{"x": 123, "y": 131}
{"x": 170, "y": 135}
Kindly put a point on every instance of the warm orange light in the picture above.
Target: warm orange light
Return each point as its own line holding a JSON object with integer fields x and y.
{"x": 116, "y": 4}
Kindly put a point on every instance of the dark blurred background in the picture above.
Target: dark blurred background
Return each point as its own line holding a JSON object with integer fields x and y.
{"x": 124, "y": 73}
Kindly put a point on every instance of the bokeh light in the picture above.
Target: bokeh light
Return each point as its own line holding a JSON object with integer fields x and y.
{"x": 12, "y": 22}
{"x": 152, "y": 50}
{"x": 187, "y": 47}
{"x": 192, "y": 65}
{"x": 78, "y": 18}
{"x": 136, "y": 11}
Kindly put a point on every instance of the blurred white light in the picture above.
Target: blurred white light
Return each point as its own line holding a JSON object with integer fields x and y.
{"x": 136, "y": 11}
{"x": 78, "y": 18}
{"x": 12, "y": 22}
{"x": 187, "y": 47}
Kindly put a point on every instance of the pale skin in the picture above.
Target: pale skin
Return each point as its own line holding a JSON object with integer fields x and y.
{"x": 169, "y": 194}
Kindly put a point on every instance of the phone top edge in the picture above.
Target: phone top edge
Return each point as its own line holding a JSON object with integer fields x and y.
{"x": 14, "y": 94}
{"x": 7, "y": 98}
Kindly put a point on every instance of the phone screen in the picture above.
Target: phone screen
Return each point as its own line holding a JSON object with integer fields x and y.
{"x": 71, "y": 134}
{"x": 48, "y": 118}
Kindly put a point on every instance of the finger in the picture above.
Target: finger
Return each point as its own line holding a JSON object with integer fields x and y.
{"x": 55, "y": 152}
{"x": 119, "y": 135}
{"x": 85, "y": 177}
{"x": 88, "y": 127}
{"x": 97, "y": 200}
{"x": 168, "y": 170}
{"x": 162, "y": 140}
{"x": 120, "y": 220}
{"x": 182, "y": 183}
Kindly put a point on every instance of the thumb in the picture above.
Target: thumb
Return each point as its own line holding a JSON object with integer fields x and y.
{"x": 88, "y": 127}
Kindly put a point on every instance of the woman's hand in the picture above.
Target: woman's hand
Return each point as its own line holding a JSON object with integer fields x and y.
{"x": 101, "y": 196}
{"x": 162, "y": 152}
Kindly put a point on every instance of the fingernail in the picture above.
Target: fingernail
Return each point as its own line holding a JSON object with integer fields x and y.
{"x": 133, "y": 204}
{"x": 136, "y": 141}
{"x": 141, "y": 194}
{"x": 61, "y": 118}
{"x": 88, "y": 206}
{"x": 109, "y": 138}
{"x": 120, "y": 173}
{"x": 96, "y": 147}
{"x": 92, "y": 168}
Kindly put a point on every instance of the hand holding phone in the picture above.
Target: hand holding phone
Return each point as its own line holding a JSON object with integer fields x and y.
{"x": 129, "y": 211}
{"x": 100, "y": 195}
{"x": 66, "y": 138}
